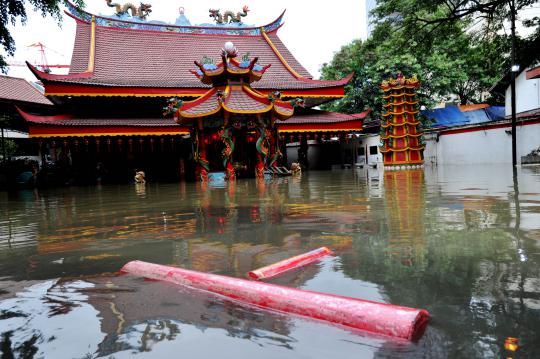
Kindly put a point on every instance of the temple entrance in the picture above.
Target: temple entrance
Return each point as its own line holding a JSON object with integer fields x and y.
{"x": 92, "y": 160}
{"x": 243, "y": 157}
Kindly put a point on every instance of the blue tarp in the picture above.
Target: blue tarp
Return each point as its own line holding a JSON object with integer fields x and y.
{"x": 451, "y": 116}
{"x": 496, "y": 113}
{"x": 446, "y": 117}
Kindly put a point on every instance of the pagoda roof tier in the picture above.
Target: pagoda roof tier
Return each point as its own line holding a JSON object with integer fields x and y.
{"x": 391, "y": 113}
{"x": 390, "y": 104}
{"x": 400, "y": 83}
{"x": 397, "y": 124}
{"x": 408, "y": 148}
{"x": 249, "y": 69}
{"x": 234, "y": 99}
{"x": 401, "y": 136}
{"x": 119, "y": 58}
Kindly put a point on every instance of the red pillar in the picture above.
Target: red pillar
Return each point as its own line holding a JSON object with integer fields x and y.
{"x": 200, "y": 154}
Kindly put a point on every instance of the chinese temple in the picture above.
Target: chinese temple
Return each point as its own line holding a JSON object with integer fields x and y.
{"x": 400, "y": 129}
{"x": 233, "y": 114}
{"x": 242, "y": 113}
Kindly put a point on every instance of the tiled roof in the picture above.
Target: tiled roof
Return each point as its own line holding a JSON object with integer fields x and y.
{"x": 97, "y": 122}
{"x": 236, "y": 99}
{"x": 322, "y": 117}
{"x": 310, "y": 117}
{"x": 206, "y": 104}
{"x": 20, "y": 90}
{"x": 125, "y": 57}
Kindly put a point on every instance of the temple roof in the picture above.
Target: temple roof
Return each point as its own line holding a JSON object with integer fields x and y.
{"x": 69, "y": 126}
{"x": 318, "y": 116}
{"x": 115, "y": 58}
{"x": 211, "y": 73}
{"x": 19, "y": 90}
{"x": 65, "y": 125}
{"x": 323, "y": 121}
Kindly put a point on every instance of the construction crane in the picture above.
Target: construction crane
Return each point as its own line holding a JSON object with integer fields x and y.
{"x": 44, "y": 65}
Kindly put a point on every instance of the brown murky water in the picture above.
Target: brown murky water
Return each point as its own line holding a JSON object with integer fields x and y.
{"x": 458, "y": 241}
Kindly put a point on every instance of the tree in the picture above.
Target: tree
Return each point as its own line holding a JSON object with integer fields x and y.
{"x": 448, "y": 60}
{"x": 456, "y": 47}
{"x": 13, "y": 10}
{"x": 437, "y": 12}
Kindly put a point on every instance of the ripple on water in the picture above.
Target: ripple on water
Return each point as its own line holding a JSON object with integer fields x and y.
{"x": 454, "y": 241}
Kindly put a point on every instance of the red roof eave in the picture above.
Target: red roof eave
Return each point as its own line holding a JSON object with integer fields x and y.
{"x": 353, "y": 126}
{"x": 46, "y": 131}
{"x": 43, "y": 76}
{"x": 53, "y": 88}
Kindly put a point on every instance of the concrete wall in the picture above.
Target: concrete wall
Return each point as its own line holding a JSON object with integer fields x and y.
{"x": 481, "y": 145}
{"x": 527, "y": 95}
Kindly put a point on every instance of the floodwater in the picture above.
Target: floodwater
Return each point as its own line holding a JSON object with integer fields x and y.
{"x": 461, "y": 242}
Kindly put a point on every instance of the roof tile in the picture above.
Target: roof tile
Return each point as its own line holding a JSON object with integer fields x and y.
{"x": 17, "y": 89}
{"x": 125, "y": 57}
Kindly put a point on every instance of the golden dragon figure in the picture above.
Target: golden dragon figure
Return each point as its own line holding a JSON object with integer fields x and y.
{"x": 141, "y": 11}
{"x": 228, "y": 16}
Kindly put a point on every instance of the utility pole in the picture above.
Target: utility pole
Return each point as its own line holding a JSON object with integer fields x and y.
{"x": 513, "y": 72}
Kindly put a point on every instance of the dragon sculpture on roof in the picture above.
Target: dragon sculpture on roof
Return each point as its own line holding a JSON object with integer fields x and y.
{"x": 227, "y": 17}
{"x": 141, "y": 11}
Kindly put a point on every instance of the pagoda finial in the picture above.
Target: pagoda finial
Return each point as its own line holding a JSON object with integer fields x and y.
{"x": 229, "y": 50}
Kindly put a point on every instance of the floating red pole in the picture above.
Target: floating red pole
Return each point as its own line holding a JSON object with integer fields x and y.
{"x": 380, "y": 318}
{"x": 289, "y": 264}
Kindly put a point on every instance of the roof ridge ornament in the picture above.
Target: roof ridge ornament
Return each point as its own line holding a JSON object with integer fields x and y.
{"x": 228, "y": 16}
{"x": 229, "y": 51}
{"x": 141, "y": 11}
{"x": 181, "y": 26}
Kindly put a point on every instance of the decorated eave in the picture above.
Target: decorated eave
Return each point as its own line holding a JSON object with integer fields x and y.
{"x": 249, "y": 69}
{"x": 399, "y": 84}
{"x": 113, "y": 22}
{"x": 231, "y": 91}
{"x": 323, "y": 121}
{"x": 233, "y": 99}
{"x": 130, "y": 58}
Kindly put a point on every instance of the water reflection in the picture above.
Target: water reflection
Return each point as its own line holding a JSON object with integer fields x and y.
{"x": 463, "y": 243}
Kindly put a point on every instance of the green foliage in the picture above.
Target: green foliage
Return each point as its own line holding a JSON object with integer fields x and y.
{"x": 12, "y": 11}
{"x": 456, "y": 57}
{"x": 10, "y": 146}
{"x": 173, "y": 105}
{"x": 207, "y": 60}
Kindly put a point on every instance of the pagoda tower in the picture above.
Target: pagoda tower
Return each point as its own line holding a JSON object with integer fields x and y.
{"x": 400, "y": 131}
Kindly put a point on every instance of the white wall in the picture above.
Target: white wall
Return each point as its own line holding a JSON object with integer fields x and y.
{"x": 527, "y": 95}
{"x": 484, "y": 146}
{"x": 368, "y": 141}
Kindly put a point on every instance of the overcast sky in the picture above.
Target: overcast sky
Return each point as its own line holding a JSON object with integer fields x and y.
{"x": 312, "y": 30}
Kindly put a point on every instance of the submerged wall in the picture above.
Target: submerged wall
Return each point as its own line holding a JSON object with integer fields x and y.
{"x": 480, "y": 144}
